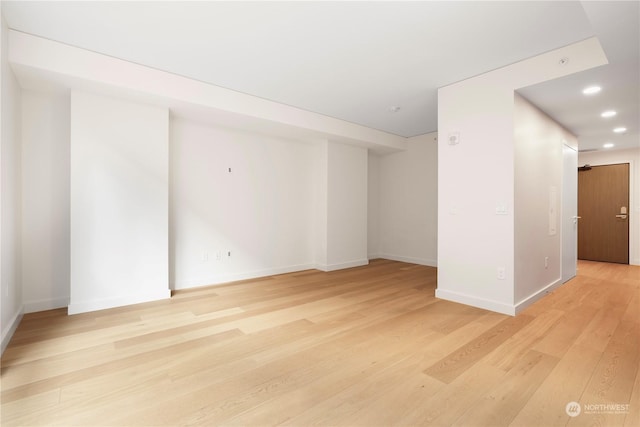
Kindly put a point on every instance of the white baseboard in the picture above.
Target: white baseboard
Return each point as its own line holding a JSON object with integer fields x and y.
{"x": 498, "y": 307}
{"x": 86, "y": 306}
{"x": 410, "y": 260}
{"x": 45, "y": 304}
{"x": 220, "y": 279}
{"x": 10, "y": 329}
{"x": 342, "y": 265}
{"x": 526, "y": 302}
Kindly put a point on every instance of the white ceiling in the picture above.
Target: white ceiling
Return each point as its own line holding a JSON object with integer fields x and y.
{"x": 617, "y": 25}
{"x": 354, "y": 60}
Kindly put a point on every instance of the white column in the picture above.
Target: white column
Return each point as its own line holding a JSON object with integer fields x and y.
{"x": 119, "y": 203}
{"x": 341, "y": 221}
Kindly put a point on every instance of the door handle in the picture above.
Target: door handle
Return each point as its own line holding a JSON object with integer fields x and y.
{"x": 621, "y": 216}
{"x": 575, "y": 218}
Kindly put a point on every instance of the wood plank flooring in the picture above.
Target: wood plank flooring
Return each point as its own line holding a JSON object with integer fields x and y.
{"x": 369, "y": 346}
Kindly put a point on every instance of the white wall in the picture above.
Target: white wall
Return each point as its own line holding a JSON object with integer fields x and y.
{"x": 632, "y": 157}
{"x": 285, "y": 206}
{"x": 476, "y": 178}
{"x": 119, "y": 202}
{"x": 538, "y": 178}
{"x": 262, "y": 211}
{"x": 325, "y": 183}
{"x": 408, "y": 202}
{"x": 346, "y": 207}
{"x": 45, "y": 200}
{"x": 373, "y": 206}
{"x": 266, "y": 212}
{"x": 320, "y": 202}
{"x": 10, "y": 196}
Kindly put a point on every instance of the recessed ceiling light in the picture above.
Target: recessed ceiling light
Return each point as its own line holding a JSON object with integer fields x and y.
{"x": 591, "y": 90}
{"x": 608, "y": 145}
{"x": 608, "y": 113}
{"x": 620, "y": 130}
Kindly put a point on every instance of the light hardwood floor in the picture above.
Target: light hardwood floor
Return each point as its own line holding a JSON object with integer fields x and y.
{"x": 368, "y": 346}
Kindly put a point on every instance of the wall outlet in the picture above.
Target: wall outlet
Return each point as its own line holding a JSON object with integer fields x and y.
{"x": 218, "y": 256}
{"x": 204, "y": 257}
{"x": 546, "y": 262}
{"x": 501, "y": 273}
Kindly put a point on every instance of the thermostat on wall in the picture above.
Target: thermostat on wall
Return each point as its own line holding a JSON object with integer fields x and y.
{"x": 454, "y": 138}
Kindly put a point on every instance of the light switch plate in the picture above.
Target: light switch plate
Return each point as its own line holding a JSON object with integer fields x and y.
{"x": 502, "y": 210}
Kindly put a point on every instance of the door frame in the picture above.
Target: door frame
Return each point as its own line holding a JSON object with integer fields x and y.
{"x": 569, "y": 208}
{"x": 634, "y": 244}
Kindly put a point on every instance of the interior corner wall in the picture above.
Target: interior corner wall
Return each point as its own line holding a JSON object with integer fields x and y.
{"x": 373, "y": 206}
{"x": 119, "y": 202}
{"x": 45, "y": 200}
{"x": 346, "y": 206}
{"x": 241, "y": 204}
{"x": 408, "y": 184}
{"x": 11, "y": 307}
{"x": 538, "y": 167}
{"x": 631, "y": 156}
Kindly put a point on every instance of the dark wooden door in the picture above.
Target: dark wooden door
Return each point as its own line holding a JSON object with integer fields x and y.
{"x": 603, "y": 207}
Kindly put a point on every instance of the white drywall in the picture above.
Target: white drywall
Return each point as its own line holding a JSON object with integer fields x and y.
{"x": 285, "y": 206}
{"x": 119, "y": 202}
{"x": 476, "y": 177}
{"x": 632, "y": 157}
{"x": 45, "y": 200}
{"x": 305, "y": 206}
{"x": 340, "y": 206}
{"x": 261, "y": 212}
{"x": 538, "y": 167}
{"x": 320, "y": 189}
{"x": 10, "y": 195}
{"x": 408, "y": 183}
{"x": 265, "y": 212}
{"x": 373, "y": 206}
{"x": 346, "y": 206}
